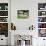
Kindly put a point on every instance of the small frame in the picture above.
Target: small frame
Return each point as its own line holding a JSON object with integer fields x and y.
{"x": 22, "y": 14}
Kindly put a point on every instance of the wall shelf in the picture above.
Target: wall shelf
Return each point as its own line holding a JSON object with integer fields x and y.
{"x": 41, "y": 10}
{"x": 3, "y": 10}
{"x": 3, "y": 16}
{"x": 3, "y": 22}
{"x": 41, "y": 28}
{"x": 42, "y": 16}
{"x": 41, "y": 22}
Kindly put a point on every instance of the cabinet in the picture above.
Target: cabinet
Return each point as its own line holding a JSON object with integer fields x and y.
{"x": 4, "y": 19}
{"x": 42, "y": 19}
{"x": 3, "y": 40}
{"x": 4, "y": 22}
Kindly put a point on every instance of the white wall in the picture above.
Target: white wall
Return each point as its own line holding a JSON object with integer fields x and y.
{"x": 23, "y": 24}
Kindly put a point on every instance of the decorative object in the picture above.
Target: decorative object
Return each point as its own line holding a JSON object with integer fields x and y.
{"x": 3, "y": 6}
{"x": 31, "y": 27}
{"x": 4, "y": 29}
{"x": 41, "y": 19}
{"x": 13, "y": 27}
{"x": 41, "y": 6}
{"x": 41, "y": 25}
{"x": 6, "y": 7}
{"x": 23, "y": 40}
{"x": 42, "y": 32}
{"x": 3, "y": 13}
{"x": 3, "y": 19}
{"x": 0, "y": 7}
{"x": 22, "y": 14}
{"x": 41, "y": 13}
{"x": 4, "y": 26}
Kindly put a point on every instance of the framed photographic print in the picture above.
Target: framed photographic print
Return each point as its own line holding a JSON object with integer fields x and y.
{"x": 22, "y": 14}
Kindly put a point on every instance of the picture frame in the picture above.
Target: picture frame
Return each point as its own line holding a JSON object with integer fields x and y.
{"x": 22, "y": 14}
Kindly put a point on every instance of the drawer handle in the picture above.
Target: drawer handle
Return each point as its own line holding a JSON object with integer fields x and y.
{"x": 43, "y": 39}
{"x": 1, "y": 39}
